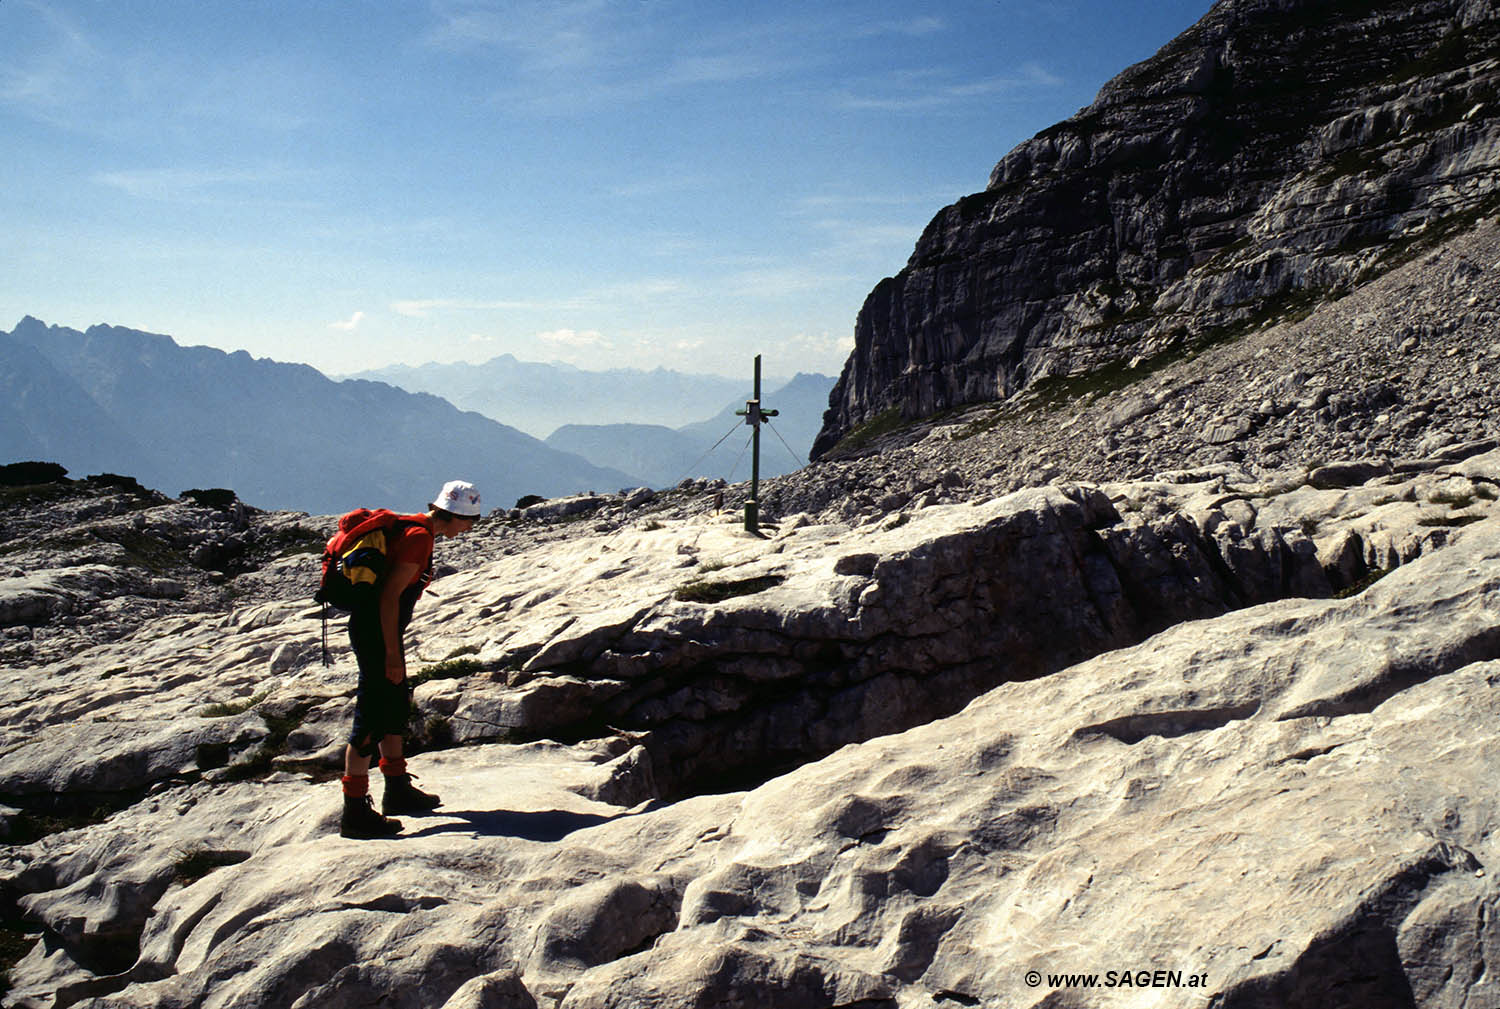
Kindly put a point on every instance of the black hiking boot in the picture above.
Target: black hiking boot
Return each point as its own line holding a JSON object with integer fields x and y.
{"x": 361, "y": 821}
{"x": 401, "y": 796}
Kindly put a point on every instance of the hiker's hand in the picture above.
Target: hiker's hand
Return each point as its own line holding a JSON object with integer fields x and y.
{"x": 395, "y": 668}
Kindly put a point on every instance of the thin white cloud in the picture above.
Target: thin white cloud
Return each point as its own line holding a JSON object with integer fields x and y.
{"x": 824, "y": 351}
{"x": 564, "y": 57}
{"x": 586, "y": 339}
{"x": 55, "y": 68}
{"x": 552, "y": 34}
{"x": 661, "y": 186}
{"x": 911, "y": 27}
{"x": 776, "y": 282}
{"x": 923, "y": 92}
{"x": 422, "y": 307}
{"x": 646, "y": 289}
{"x": 831, "y": 202}
{"x": 116, "y": 86}
{"x": 191, "y": 184}
{"x": 270, "y": 93}
{"x": 350, "y": 324}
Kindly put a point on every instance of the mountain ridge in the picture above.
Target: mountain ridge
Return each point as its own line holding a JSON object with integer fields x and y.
{"x": 280, "y": 434}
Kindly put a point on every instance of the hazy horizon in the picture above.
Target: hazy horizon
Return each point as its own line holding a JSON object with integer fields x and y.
{"x": 745, "y": 373}
{"x": 601, "y": 183}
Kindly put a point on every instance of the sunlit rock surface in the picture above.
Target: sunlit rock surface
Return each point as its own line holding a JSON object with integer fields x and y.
{"x": 1287, "y": 800}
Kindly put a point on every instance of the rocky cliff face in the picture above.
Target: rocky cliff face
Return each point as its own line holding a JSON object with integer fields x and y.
{"x": 1278, "y": 153}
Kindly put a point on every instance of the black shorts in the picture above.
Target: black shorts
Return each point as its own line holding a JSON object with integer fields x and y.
{"x": 381, "y": 708}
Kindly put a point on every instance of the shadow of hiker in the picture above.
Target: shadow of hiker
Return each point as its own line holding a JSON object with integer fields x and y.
{"x": 548, "y": 825}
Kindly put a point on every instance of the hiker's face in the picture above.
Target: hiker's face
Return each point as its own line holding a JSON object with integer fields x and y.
{"x": 454, "y": 526}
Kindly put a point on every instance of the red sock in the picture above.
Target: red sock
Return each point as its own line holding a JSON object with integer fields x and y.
{"x": 392, "y": 767}
{"x": 356, "y": 785}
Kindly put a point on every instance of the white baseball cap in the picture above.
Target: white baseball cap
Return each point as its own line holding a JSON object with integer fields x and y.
{"x": 459, "y": 497}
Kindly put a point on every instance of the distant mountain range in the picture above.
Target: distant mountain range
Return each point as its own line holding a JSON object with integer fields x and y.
{"x": 539, "y": 398}
{"x": 663, "y": 456}
{"x": 650, "y": 423}
{"x": 281, "y": 435}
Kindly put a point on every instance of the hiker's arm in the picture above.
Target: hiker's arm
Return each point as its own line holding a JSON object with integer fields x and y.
{"x": 396, "y": 581}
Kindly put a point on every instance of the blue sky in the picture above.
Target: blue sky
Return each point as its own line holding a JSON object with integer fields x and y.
{"x": 611, "y": 183}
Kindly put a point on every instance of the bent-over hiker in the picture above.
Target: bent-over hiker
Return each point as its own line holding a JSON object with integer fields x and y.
{"x": 383, "y": 703}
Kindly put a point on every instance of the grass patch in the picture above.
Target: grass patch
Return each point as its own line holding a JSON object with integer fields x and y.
{"x": 295, "y": 541}
{"x": 979, "y": 426}
{"x": 29, "y": 474}
{"x": 876, "y": 427}
{"x": 145, "y": 551}
{"x": 16, "y": 940}
{"x": 260, "y": 763}
{"x": 1448, "y": 521}
{"x": 717, "y": 592}
{"x": 193, "y": 865}
{"x": 448, "y": 669}
{"x": 216, "y": 498}
{"x": 34, "y": 494}
{"x": 1356, "y": 587}
{"x": 230, "y": 708}
{"x": 1452, "y": 500}
{"x": 435, "y": 732}
{"x": 54, "y": 813}
{"x": 1400, "y": 251}
{"x": 1451, "y": 51}
{"x": 1051, "y": 394}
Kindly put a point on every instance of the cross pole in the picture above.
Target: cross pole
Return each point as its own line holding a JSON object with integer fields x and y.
{"x": 754, "y": 416}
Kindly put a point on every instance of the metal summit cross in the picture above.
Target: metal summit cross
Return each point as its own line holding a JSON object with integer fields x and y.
{"x": 754, "y": 416}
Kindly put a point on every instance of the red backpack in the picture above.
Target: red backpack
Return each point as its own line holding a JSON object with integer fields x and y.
{"x": 355, "y": 559}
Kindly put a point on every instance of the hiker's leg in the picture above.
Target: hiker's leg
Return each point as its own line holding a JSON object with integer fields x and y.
{"x": 359, "y": 818}
{"x": 392, "y": 762}
{"x": 370, "y": 701}
{"x": 355, "y": 763}
{"x": 364, "y": 738}
{"x": 380, "y": 708}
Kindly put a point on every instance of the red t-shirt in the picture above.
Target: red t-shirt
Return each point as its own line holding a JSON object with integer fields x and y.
{"x": 412, "y": 544}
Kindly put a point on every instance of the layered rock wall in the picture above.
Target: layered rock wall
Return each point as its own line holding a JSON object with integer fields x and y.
{"x": 1274, "y": 154}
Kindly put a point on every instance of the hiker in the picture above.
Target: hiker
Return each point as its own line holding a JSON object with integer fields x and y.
{"x": 382, "y": 706}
